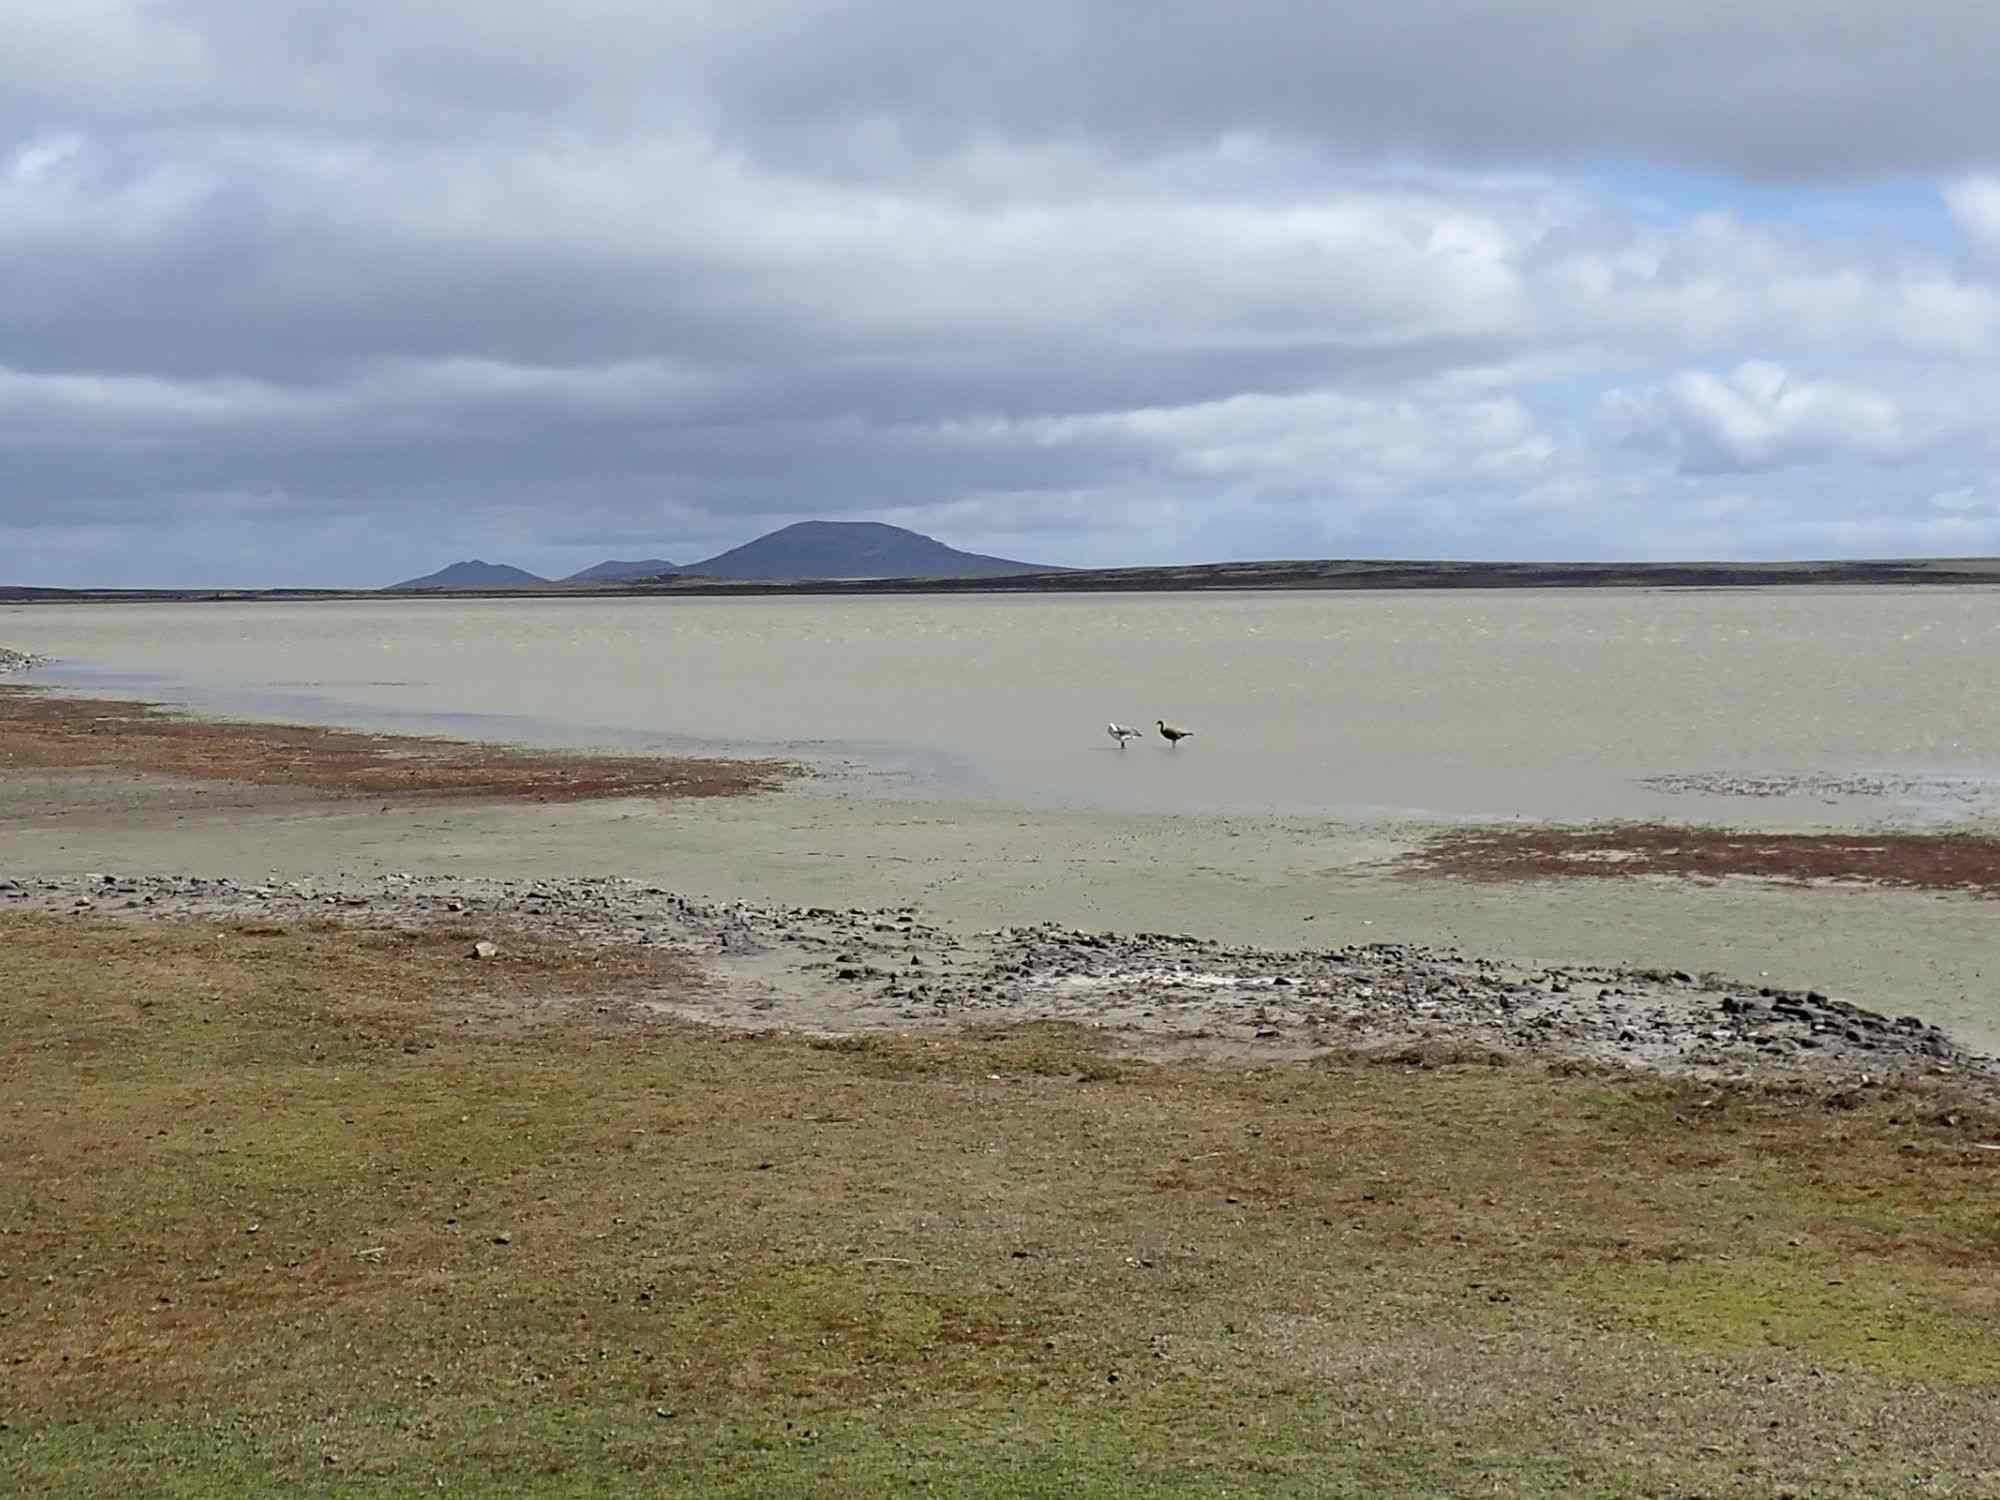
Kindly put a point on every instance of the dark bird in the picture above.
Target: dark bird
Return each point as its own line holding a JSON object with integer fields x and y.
{"x": 1172, "y": 735}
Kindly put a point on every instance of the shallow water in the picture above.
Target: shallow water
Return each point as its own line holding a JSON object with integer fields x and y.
{"x": 1776, "y": 707}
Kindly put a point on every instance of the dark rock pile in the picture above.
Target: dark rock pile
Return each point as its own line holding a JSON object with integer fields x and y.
{"x": 837, "y": 970}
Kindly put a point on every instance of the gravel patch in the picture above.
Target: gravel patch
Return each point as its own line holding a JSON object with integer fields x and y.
{"x": 827, "y": 971}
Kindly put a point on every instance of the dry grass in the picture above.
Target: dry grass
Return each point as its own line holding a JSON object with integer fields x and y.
{"x": 44, "y": 733}
{"x": 327, "y": 1211}
{"x": 1923, "y": 861}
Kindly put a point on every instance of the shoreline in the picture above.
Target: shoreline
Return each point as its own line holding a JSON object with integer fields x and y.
{"x": 1244, "y": 910}
{"x": 1161, "y": 997}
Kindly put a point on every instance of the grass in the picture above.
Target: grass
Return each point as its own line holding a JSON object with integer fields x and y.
{"x": 323, "y": 1211}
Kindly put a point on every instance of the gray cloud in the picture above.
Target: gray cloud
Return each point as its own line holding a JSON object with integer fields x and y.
{"x": 312, "y": 293}
{"x": 1775, "y": 88}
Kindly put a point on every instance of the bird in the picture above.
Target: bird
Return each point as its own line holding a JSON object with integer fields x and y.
{"x": 1172, "y": 735}
{"x": 1120, "y": 733}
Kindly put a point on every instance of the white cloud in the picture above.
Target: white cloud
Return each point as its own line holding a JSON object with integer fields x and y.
{"x": 1717, "y": 283}
{"x": 1758, "y": 417}
{"x": 1975, "y": 207}
{"x": 1968, "y": 501}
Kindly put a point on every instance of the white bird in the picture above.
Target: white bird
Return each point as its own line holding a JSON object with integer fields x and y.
{"x": 1172, "y": 735}
{"x": 1121, "y": 734}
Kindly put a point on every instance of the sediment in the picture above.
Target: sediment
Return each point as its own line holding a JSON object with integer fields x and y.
{"x": 44, "y": 732}
{"x": 1954, "y": 861}
{"x": 838, "y": 972}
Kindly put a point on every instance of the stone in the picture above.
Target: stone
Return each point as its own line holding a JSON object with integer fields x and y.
{"x": 484, "y": 949}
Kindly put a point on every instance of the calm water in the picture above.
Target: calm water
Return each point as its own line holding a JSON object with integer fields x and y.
{"x": 1864, "y": 702}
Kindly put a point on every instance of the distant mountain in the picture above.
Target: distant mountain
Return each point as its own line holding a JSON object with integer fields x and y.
{"x": 611, "y": 570}
{"x": 470, "y": 575}
{"x": 853, "y": 549}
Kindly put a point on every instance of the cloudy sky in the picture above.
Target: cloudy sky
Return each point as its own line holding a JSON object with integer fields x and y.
{"x": 336, "y": 291}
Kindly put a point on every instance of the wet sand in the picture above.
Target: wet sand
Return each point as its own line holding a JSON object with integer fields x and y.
{"x": 1280, "y": 883}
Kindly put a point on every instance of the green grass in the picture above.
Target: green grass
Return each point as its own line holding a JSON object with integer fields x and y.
{"x": 1001, "y": 1452}
{"x": 1877, "y": 1319}
{"x": 254, "y": 1189}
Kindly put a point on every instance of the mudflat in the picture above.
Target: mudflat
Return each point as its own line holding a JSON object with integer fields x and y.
{"x": 1899, "y": 924}
{"x": 45, "y": 733}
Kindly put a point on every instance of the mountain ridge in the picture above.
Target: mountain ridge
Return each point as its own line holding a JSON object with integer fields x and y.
{"x": 1289, "y": 574}
{"x": 803, "y": 552}
{"x": 618, "y": 570}
{"x": 472, "y": 573}
{"x": 813, "y": 550}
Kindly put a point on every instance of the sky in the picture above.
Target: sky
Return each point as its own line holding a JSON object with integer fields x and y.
{"x": 333, "y": 292}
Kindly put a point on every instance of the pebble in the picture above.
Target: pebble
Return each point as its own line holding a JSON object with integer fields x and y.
{"x": 874, "y": 962}
{"x": 19, "y": 661}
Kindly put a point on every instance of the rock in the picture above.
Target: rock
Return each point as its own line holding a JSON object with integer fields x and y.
{"x": 503, "y": 1239}
{"x": 484, "y": 949}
